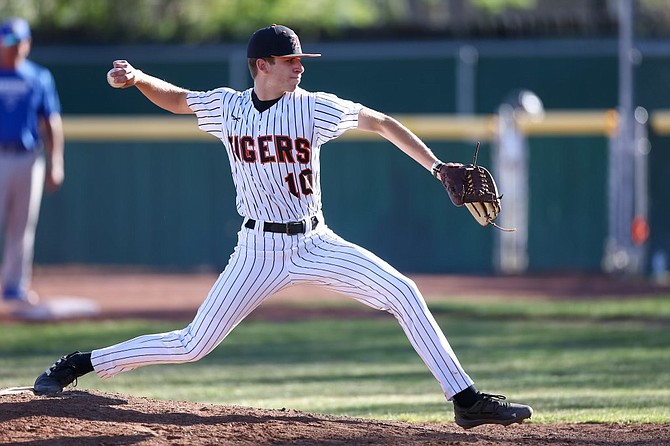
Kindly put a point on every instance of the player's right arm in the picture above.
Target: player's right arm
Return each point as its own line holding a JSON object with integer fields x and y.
{"x": 164, "y": 94}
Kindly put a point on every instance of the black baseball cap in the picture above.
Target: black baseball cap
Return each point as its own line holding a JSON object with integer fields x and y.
{"x": 275, "y": 41}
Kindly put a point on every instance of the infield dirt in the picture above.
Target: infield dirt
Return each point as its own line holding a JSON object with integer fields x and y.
{"x": 80, "y": 417}
{"x": 94, "y": 418}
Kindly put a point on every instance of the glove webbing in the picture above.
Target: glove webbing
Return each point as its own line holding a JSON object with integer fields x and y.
{"x": 482, "y": 179}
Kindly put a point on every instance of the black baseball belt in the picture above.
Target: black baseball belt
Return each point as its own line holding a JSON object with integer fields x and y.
{"x": 290, "y": 228}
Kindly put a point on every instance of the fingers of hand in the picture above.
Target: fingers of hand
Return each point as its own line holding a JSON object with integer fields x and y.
{"x": 492, "y": 209}
{"x": 121, "y": 75}
{"x": 54, "y": 179}
{"x": 496, "y": 206}
{"x": 478, "y": 210}
{"x": 116, "y": 77}
{"x": 483, "y": 212}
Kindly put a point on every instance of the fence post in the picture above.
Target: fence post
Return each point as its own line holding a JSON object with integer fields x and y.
{"x": 510, "y": 164}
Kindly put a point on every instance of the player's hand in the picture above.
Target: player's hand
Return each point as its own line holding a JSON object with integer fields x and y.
{"x": 54, "y": 177}
{"x": 124, "y": 74}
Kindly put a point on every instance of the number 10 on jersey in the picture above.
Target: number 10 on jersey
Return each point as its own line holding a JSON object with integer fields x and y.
{"x": 303, "y": 181}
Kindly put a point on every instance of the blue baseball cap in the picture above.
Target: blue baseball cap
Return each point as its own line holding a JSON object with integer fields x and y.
{"x": 13, "y": 31}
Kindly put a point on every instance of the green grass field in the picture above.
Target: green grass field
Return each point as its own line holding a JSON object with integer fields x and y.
{"x": 573, "y": 361}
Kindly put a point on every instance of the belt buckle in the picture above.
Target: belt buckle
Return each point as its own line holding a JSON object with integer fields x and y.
{"x": 288, "y": 228}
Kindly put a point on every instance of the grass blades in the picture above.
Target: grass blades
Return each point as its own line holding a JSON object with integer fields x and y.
{"x": 573, "y": 361}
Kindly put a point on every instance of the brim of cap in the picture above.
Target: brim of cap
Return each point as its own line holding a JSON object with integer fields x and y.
{"x": 10, "y": 40}
{"x": 288, "y": 56}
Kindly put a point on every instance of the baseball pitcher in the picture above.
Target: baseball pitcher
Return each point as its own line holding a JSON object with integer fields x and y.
{"x": 273, "y": 134}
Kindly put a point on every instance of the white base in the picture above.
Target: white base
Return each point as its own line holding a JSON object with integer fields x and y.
{"x": 13, "y": 390}
{"x": 58, "y": 307}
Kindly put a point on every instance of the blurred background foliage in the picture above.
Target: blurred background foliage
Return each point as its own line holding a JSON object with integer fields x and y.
{"x": 218, "y": 21}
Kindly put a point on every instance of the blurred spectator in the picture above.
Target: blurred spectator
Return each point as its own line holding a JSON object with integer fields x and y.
{"x": 31, "y": 151}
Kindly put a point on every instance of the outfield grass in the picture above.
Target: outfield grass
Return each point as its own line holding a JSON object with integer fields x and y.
{"x": 573, "y": 361}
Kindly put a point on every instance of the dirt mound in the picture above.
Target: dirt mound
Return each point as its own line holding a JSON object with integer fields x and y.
{"x": 95, "y": 418}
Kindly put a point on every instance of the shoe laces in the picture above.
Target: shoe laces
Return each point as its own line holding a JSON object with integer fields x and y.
{"x": 497, "y": 399}
{"x": 61, "y": 363}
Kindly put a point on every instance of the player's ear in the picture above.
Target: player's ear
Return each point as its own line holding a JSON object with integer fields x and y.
{"x": 262, "y": 65}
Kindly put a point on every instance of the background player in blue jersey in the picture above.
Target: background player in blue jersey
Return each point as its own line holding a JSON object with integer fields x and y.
{"x": 30, "y": 128}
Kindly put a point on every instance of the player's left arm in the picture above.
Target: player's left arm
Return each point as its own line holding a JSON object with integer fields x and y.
{"x": 54, "y": 146}
{"x": 391, "y": 129}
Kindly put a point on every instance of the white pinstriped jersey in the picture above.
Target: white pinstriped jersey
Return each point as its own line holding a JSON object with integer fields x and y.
{"x": 274, "y": 155}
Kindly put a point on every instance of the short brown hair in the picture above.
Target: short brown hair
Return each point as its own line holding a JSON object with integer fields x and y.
{"x": 251, "y": 62}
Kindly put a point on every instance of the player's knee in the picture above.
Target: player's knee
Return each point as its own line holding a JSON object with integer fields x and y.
{"x": 409, "y": 289}
{"x": 192, "y": 348}
{"x": 193, "y": 354}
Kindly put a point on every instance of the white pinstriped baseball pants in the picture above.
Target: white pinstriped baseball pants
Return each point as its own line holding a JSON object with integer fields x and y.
{"x": 265, "y": 263}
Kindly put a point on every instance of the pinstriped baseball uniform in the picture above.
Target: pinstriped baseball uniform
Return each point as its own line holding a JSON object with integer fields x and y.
{"x": 275, "y": 163}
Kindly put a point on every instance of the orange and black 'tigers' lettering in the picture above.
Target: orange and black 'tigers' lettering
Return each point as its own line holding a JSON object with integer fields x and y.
{"x": 271, "y": 149}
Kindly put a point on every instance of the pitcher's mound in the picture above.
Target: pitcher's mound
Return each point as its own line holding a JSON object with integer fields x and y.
{"x": 94, "y": 418}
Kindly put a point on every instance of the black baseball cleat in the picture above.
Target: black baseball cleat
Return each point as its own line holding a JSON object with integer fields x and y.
{"x": 491, "y": 409}
{"x": 57, "y": 377}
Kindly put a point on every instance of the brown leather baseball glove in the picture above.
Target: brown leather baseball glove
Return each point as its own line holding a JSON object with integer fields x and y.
{"x": 471, "y": 186}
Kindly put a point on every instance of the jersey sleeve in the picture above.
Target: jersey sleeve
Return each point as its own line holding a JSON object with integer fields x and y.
{"x": 334, "y": 116}
{"x": 209, "y": 108}
{"x": 50, "y": 100}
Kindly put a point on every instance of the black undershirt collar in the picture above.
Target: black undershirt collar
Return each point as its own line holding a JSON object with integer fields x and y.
{"x": 261, "y": 106}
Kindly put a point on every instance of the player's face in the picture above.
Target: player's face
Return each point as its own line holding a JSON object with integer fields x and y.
{"x": 11, "y": 55}
{"x": 286, "y": 72}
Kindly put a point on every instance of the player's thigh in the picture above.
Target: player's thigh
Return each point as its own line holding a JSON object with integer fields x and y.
{"x": 248, "y": 279}
{"x": 347, "y": 268}
{"x": 23, "y": 193}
